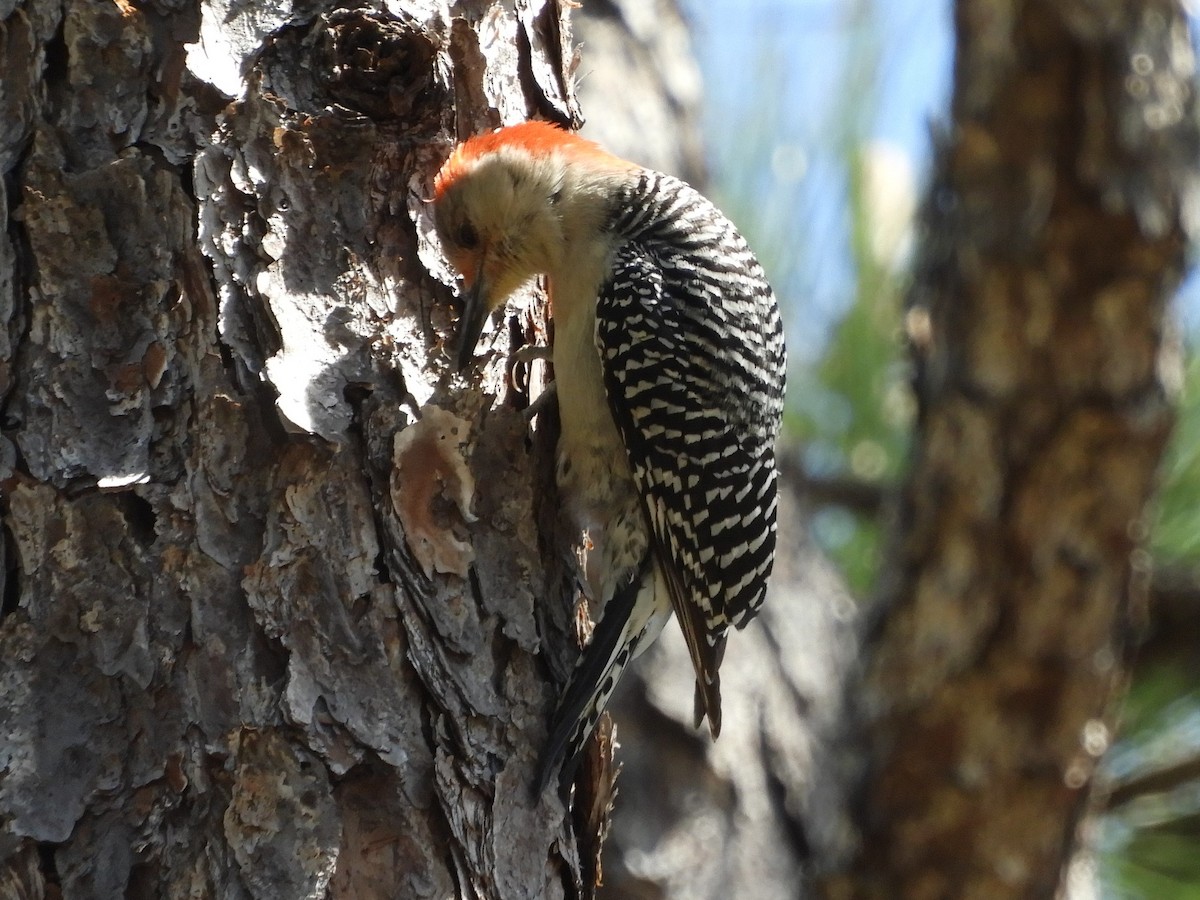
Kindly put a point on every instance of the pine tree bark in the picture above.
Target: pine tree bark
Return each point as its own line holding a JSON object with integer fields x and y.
{"x": 270, "y": 571}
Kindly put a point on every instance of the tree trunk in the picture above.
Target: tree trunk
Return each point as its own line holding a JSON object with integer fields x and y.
{"x": 270, "y": 570}
{"x": 1054, "y": 239}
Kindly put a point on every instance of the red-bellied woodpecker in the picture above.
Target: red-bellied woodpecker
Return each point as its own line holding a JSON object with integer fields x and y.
{"x": 669, "y": 362}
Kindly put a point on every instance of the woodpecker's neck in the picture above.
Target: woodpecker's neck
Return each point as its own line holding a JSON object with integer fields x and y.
{"x": 592, "y": 202}
{"x": 589, "y": 436}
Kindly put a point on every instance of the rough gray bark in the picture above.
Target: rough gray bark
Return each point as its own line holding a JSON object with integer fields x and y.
{"x": 1056, "y": 233}
{"x": 270, "y": 571}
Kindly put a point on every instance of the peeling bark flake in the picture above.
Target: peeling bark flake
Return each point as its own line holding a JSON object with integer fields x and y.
{"x": 430, "y": 474}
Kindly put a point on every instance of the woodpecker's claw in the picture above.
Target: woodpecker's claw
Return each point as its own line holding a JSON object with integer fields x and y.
{"x": 532, "y": 352}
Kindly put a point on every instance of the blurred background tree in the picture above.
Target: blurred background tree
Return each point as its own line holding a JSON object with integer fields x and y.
{"x": 822, "y": 170}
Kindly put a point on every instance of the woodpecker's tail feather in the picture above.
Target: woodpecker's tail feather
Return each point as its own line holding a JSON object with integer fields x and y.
{"x": 708, "y": 689}
{"x": 626, "y": 627}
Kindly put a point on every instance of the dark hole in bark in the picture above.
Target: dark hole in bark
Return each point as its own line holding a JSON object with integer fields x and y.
{"x": 139, "y": 516}
{"x": 12, "y": 576}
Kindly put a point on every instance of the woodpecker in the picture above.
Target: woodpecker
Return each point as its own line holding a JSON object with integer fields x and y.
{"x": 669, "y": 366}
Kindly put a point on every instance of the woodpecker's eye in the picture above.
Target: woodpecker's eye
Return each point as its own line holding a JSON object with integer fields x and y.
{"x": 467, "y": 237}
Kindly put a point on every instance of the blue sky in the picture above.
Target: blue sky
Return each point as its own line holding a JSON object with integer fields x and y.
{"x": 813, "y": 38}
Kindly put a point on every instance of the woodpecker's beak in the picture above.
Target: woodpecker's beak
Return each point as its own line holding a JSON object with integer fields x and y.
{"x": 470, "y": 325}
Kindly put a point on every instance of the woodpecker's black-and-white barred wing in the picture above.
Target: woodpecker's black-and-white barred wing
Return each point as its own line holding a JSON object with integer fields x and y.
{"x": 692, "y": 348}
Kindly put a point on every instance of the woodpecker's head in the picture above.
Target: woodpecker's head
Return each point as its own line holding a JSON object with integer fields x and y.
{"x": 507, "y": 206}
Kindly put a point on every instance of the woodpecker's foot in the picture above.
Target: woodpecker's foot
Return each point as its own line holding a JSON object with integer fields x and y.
{"x": 519, "y": 362}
